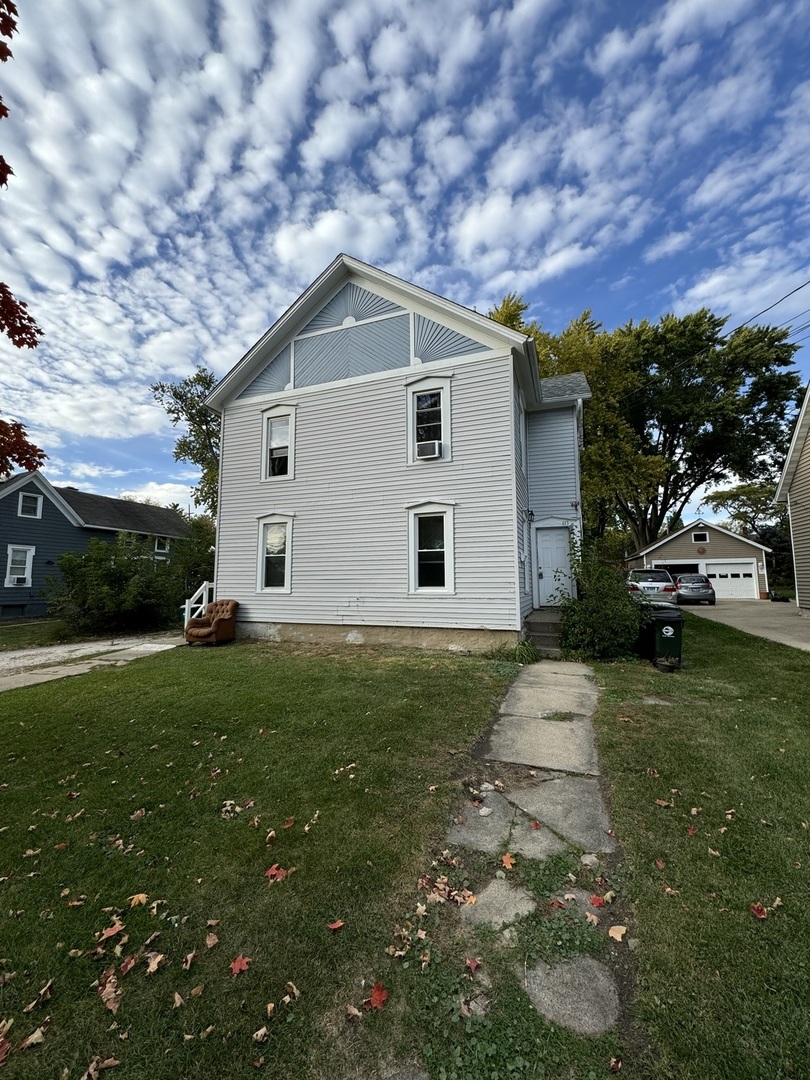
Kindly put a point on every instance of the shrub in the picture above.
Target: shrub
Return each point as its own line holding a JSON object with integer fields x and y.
{"x": 604, "y": 620}
{"x": 115, "y": 587}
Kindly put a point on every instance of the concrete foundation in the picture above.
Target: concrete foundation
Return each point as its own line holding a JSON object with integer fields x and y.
{"x": 417, "y": 637}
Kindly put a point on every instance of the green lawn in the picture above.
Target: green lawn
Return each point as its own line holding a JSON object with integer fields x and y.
{"x": 30, "y": 633}
{"x": 724, "y": 994}
{"x": 160, "y": 781}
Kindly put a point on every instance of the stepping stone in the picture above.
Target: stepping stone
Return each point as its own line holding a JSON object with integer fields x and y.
{"x": 573, "y": 807}
{"x": 579, "y": 995}
{"x": 499, "y": 904}
{"x": 488, "y": 833}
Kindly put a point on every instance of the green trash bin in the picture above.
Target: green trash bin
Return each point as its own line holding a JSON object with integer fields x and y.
{"x": 662, "y": 636}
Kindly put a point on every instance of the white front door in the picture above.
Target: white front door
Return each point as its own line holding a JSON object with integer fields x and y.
{"x": 552, "y": 565}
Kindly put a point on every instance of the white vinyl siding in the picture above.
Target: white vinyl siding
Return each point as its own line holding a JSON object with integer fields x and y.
{"x": 553, "y": 458}
{"x": 799, "y": 507}
{"x": 351, "y": 495}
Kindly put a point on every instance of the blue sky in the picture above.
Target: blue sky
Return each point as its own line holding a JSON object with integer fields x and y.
{"x": 184, "y": 170}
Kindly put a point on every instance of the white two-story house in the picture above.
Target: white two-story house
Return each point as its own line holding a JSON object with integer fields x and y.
{"x": 394, "y": 471}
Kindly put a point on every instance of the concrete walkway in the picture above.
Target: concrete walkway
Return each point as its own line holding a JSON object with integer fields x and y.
{"x": 762, "y": 618}
{"x": 27, "y": 667}
{"x": 545, "y": 725}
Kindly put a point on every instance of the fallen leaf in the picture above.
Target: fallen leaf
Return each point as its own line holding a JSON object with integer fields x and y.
{"x": 275, "y": 873}
{"x": 759, "y": 911}
{"x": 5, "y": 1049}
{"x": 207, "y": 1032}
{"x": 178, "y": 1001}
{"x": 669, "y": 891}
{"x": 597, "y": 901}
{"x": 653, "y": 772}
{"x": 155, "y": 959}
{"x": 617, "y": 932}
{"x": 288, "y": 824}
{"x": 713, "y": 852}
{"x": 137, "y": 899}
{"x": 188, "y": 960}
{"x": 36, "y": 1037}
{"x": 108, "y": 989}
{"x": 212, "y": 922}
{"x": 508, "y": 861}
{"x": 352, "y": 1013}
{"x": 692, "y": 830}
{"x": 197, "y": 991}
{"x": 335, "y": 926}
{"x": 472, "y": 965}
{"x": 378, "y": 997}
{"x": 260, "y": 1036}
{"x": 211, "y": 940}
{"x": 97, "y": 1065}
{"x": 592, "y": 919}
{"x": 270, "y": 837}
{"x": 536, "y": 825}
{"x": 555, "y": 903}
{"x": 659, "y": 864}
{"x": 138, "y": 814}
{"x": 41, "y": 998}
{"x": 777, "y": 902}
{"x": 111, "y": 931}
{"x": 663, "y": 802}
{"x": 615, "y": 1065}
{"x": 270, "y": 1009}
{"x": 241, "y": 963}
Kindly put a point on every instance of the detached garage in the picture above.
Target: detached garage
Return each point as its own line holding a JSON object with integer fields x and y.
{"x": 735, "y": 566}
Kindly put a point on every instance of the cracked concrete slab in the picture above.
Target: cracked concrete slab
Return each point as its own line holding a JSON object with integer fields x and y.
{"x": 579, "y": 995}
{"x": 486, "y": 833}
{"x": 560, "y": 745}
{"x": 537, "y": 844}
{"x": 573, "y": 807}
{"x": 498, "y": 905}
{"x": 542, "y": 699}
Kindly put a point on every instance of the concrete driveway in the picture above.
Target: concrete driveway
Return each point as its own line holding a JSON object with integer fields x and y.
{"x": 762, "y": 618}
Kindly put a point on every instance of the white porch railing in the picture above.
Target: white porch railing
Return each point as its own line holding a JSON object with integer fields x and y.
{"x": 196, "y": 604}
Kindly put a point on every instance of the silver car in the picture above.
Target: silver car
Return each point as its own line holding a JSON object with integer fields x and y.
{"x": 653, "y": 585}
{"x": 694, "y": 589}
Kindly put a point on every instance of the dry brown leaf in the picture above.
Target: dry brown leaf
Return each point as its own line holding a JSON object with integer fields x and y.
{"x": 41, "y": 997}
{"x": 352, "y": 1013}
{"x": 178, "y": 1001}
{"x": 97, "y": 1065}
{"x": 271, "y": 1009}
{"x": 138, "y": 898}
{"x": 211, "y": 940}
{"x": 37, "y": 1036}
{"x": 592, "y": 919}
{"x": 197, "y": 991}
{"x": 155, "y": 959}
{"x": 617, "y": 932}
{"x": 109, "y": 990}
{"x": 260, "y": 1036}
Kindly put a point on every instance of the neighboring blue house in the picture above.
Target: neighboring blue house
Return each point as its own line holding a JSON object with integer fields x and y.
{"x": 394, "y": 470}
{"x": 39, "y": 522}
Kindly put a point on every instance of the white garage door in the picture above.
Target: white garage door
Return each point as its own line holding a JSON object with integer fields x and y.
{"x": 734, "y": 580}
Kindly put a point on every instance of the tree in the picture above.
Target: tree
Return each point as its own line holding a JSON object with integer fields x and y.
{"x": 16, "y": 450}
{"x": 677, "y": 406}
{"x": 184, "y": 403}
{"x": 16, "y": 321}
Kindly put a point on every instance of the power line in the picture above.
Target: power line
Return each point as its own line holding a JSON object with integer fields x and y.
{"x": 774, "y": 304}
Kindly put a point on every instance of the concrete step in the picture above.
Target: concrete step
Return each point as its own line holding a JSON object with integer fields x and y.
{"x": 543, "y": 630}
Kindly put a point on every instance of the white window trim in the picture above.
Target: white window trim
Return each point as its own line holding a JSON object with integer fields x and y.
{"x": 29, "y": 495}
{"x": 275, "y": 519}
{"x": 164, "y": 550}
{"x": 432, "y": 509}
{"x": 427, "y": 384}
{"x": 278, "y": 412}
{"x": 29, "y": 564}
{"x": 700, "y": 532}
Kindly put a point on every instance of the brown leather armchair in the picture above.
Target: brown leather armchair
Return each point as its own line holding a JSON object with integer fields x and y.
{"x": 217, "y": 624}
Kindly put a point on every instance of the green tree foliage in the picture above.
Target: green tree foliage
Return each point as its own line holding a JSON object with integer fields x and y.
{"x": 677, "y": 406}
{"x": 184, "y": 403}
{"x": 604, "y": 621}
{"x": 114, "y": 588}
{"x": 752, "y": 512}
{"x": 122, "y": 587}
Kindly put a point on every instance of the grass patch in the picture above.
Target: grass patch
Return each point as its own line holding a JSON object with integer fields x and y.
{"x": 119, "y": 783}
{"x": 724, "y": 994}
{"x": 33, "y": 632}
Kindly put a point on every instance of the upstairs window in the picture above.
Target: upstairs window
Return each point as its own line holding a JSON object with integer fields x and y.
{"x": 278, "y": 441}
{"x": 429, "y": 420}
{"x": 29, "y": 506}
{"x": 161, "y": 545}
{"x": 700, "y": 538}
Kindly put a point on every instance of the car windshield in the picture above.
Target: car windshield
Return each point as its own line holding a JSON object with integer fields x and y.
{"x": 693, "y": 579}
{"x": 650, "y": 575}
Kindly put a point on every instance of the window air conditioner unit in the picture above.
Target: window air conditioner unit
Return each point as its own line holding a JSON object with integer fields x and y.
{"x": 429, "y": 449}
{"x": 19, "y": 581}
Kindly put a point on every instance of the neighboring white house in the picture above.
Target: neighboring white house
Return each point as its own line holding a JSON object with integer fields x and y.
{"x": 394, "y": 470}
{"x": 794, "y": 489}
{"x": 736, "y": 565}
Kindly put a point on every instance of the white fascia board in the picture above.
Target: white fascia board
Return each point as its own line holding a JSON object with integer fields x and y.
{"x": 47, "y": 490}
{"x": 341, "y": 270}
{"x": 796, "y": 446}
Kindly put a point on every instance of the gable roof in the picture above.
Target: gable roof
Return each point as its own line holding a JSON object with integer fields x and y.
{"x": 699, "y": 523}
{"x": 86, "y": 510}
{"x": 341, "y": 270}
{"x": 794, "y": 453}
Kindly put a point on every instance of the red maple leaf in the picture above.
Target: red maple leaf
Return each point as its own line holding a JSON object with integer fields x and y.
{"x": 759, "y": 911}
{"x": 111, "y": 931}
{"x": 241, "y": 963}
{"x": 275, "y": 873}
{"x": 692, "y": 830}
{"x": 535, "y": 824}
{"x": 378, "y": 998}
{"x": 472, "y": 965}
{"x": 288, "y": 824}
{"x": 597, "y": 901}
